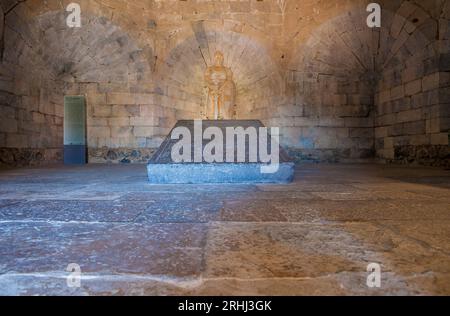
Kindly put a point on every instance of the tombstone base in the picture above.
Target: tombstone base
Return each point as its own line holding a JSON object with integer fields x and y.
{"x": 217, "y": 173}
{"x": 162, "y": 170}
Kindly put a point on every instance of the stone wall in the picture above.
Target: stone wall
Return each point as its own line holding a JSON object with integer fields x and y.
{"x": 329, "y": 115}
{"x": 31, "y": 100}
{"x": 412, "y": 123}
{"x": 338, "y": 90}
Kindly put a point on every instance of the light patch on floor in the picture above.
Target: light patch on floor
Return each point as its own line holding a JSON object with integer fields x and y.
{"x": 315, "y": 236}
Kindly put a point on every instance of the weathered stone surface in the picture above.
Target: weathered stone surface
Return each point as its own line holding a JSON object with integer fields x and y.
{"x": 429, "y": 155}
{"x": 25, "y": 157}
{"x": 63, "y": 211}
{"x": 162, "y": 169}
{"x": 120, "y": 155}
{"x": 312, "y": 237}
{"x": 58, "y": 245}
{"x": 315, "y": 80}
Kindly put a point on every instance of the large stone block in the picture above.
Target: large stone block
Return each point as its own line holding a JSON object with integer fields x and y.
{"x": 431, "y": 112}
{"x": 395, "y": 130}
{"x": 145, "y": 99}
{"x": 414, "y": 128}
{"x": 102, "y": 111}
{"x": 388, "y": 142}
{"x": 444, "y": 124}
{"x": 386, "y": 120}
{"x": 418, "y": 140}
{"x": 162, "y": 169}
{"x": 412, "y": 72}
{"x": 444, "y": 79}
{"x": 444, "y": 59}
{"x": 353, "y": 111}
{"x": 291, "y": 110}
{"x": 413, "y": 87}
{"x": 17, "y": 140}
{"x": 433, "y": 97}
{"x": 430, "y": 82}
{"x": 361, "y": 132}
{"x": 326, "y": 142}
{"x": 119, "y": 121}
{"x": 400, "y": 105}
{"x": 91, "y": 121}
{"x": 359, "y": 122}
{"x": 96, "y": 98}
{"x": 122, "y": 131}
{"x": 8, "y": 125}
{"x": 305, "y": 121}
{"x": 144, "y": 131}
{"x": 381, "y": 132}
{"x": 417, "y": 101}
{"x": 47, "y": 108}
{"x": 397, "y": 92}
{"x": 125, "y": 110}
{"x": 144, "y": 121}
{"x": 444, "y": 96}
{"x": 409, "y": 116}
{"x": 7, "y": 111}
{"x": 329, "y": 121}
{"x": 433, "y": 126}
{"x": 121, "y": 98}
{"x": 366, "y": 143}
{"x": 99, "y": 131}
{"x": 38, "y": 117}
{"x": 439, "y": 139}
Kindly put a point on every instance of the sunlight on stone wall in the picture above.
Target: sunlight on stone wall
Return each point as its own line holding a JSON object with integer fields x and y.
{"x": 412, "y": 122}
{"x": 339, "y": 90}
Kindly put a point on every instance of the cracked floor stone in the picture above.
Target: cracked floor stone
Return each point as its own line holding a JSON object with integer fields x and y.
{"x": 315, "y": 236}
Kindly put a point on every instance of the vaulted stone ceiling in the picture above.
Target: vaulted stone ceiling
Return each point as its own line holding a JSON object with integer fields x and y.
{"x": 297, "y": 34}
{"x": 157, "y": 30}
{"x": 312, "y": 67}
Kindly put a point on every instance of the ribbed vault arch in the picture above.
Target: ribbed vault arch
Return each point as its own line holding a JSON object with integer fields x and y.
{"x": 256, "y": 75}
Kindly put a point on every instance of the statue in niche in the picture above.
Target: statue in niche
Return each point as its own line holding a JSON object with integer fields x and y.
{"x": 221, "y": 90}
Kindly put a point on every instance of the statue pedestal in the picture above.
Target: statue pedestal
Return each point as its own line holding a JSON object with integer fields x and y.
{"x": 163, "y": 170}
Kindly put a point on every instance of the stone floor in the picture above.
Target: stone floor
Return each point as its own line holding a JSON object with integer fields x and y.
{"x": 315, "y": 236}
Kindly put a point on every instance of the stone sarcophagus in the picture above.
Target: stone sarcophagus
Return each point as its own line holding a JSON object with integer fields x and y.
{"x": 221, "y": 151}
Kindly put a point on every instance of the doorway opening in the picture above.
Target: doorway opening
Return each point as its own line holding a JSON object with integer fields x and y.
{"x": 75, "y": 149}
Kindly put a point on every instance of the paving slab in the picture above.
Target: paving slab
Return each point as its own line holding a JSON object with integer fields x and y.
{"x": 315, "y": 236}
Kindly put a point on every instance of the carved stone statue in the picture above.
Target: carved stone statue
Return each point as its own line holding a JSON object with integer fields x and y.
{"x": 221, "y": 90}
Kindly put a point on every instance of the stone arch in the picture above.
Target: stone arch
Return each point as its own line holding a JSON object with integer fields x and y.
{"x": 256, "y": 75}
{"x": 341, "y": 51}
{"x": 345, "y": 75}
{"x": 49, "y": 60}
{"x": 408, "y": 84}
{"x": 329, "y": 113}
{"x": 406, "y": 37}
{"x": 99, "y": 51}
